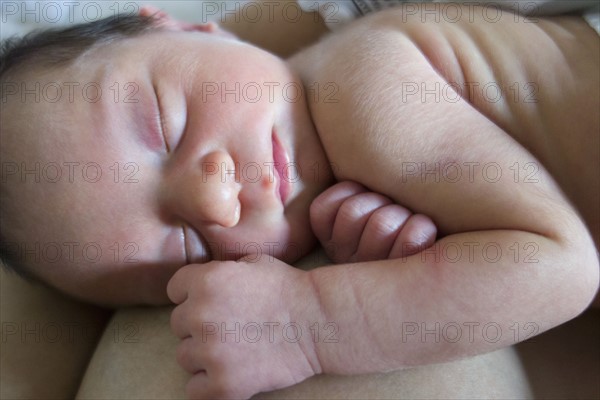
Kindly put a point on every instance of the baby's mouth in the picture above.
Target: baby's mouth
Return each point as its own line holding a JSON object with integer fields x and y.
{"x": 281, "y": 160}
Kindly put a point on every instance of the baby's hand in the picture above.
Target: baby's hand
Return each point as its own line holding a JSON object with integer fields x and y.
{"x": 355, "y": 225}
{"x": 244, "y": 325}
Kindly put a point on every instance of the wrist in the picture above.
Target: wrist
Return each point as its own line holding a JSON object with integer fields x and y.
{"x": 306, "y": 313}
{"x": 345, "y": 344}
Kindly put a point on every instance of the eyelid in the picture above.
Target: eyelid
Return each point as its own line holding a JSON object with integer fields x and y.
{"x": 160, "y": 118}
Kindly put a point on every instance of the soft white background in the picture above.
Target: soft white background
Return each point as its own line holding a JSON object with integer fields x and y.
{"x": 18, "y": 16}
{"x": 21, "y": 16}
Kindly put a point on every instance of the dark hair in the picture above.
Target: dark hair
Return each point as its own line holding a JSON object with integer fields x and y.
{"x": 59, "y": 46}
{"x": 54, "y": 48}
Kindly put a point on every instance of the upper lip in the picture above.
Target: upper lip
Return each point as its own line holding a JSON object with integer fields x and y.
{"x": 281, "y": 160}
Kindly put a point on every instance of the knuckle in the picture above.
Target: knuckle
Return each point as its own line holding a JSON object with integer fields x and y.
{"x": 388, "y": 220}
{"x": 361, "y": 205}
{"x": 374, "y": 199}
{"x": 350, "y": 210}
{"x": 382, "y": 227}
{"x": 184, "y": 358}
{"x": 420, "y": 230}
{"x": 319, "y": 205}
{"x": 349, "y": 186}
{"x": 197, "y": 322}
{"x": 338, "y": 192}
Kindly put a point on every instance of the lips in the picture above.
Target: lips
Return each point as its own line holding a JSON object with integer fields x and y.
{"x": 281, "y": 160}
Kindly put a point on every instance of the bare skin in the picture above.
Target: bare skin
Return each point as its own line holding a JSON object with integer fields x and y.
{"x": 371, "y": 302}
{"x": 206, "y": 304}
{"x": 561, "y": 92}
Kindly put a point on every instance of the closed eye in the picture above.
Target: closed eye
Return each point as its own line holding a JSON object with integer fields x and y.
{"x": 160, "y": 120}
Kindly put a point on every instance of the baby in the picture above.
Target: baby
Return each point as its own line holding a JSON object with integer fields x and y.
{"x": 201, "y": 147}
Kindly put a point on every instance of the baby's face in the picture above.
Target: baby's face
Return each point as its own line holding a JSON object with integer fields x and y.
{"x": 198, "y": 148}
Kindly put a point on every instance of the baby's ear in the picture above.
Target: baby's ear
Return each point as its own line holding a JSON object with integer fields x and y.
{"x": 166, "y": 21}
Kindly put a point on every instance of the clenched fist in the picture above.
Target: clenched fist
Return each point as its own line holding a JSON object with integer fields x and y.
{"x": 354, "y": 224}
{"x": 235, "y": 320}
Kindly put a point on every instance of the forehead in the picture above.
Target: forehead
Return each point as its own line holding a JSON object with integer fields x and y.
{"x": 163, "y": 50}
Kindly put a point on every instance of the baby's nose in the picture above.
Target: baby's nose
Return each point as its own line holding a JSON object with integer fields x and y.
{"x": 215, "y": 197}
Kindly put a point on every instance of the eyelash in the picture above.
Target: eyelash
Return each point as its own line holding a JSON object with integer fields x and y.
{"x": 161, "y": 122}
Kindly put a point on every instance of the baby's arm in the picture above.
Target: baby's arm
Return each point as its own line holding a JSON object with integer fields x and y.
{"x": 514, "y": 258}
{"x": 354, "y": 224}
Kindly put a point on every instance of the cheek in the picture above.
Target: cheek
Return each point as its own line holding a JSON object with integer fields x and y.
{"x": 295, "y": 238}
{"x": 142, "y": 284}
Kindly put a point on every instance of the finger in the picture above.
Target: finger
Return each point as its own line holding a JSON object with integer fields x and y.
{"x": 325, "y": 207}
{"x": 417, "y": 234}
{"x": 189, "y": 356}
{"x": 350, "y": 222}
{"x": 199, "y": 387}
{"x": 380, "y": 233}
{"x": 180, "y": 321}
{"x": 177, "y": 287}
